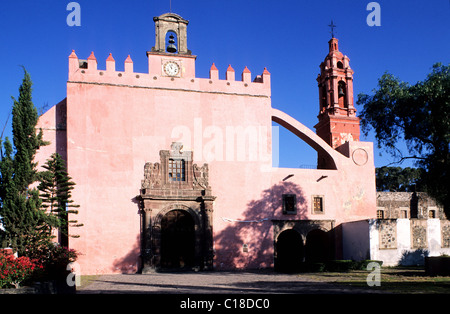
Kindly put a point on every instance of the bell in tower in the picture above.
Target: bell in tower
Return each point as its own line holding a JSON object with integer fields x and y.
{"x": 341, "y": 92}
{"x": 171, "y": 47}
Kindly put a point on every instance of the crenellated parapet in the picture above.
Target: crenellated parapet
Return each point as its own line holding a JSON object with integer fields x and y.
{"x": 88, "y": 71}
{"x": 246, "y": 76}
{"x": 90, "y": 66}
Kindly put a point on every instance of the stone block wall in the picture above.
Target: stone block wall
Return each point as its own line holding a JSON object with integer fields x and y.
{"x": 408, "y": 205}
{"x": 413, "y": 227}
{"x": 408, "y": 241}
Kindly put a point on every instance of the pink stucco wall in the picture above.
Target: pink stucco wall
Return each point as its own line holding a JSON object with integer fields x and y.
{"x": 118, "y": 121}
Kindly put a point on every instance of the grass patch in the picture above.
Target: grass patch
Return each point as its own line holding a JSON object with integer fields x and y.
{"x": 86, "y": 280}
{"x": 402, "y": 280}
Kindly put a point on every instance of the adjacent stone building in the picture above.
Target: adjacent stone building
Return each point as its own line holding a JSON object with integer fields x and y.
{"x": 409, "y": 227}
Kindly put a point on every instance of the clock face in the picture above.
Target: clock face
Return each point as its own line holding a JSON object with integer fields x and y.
{"x": 172, "y": 68}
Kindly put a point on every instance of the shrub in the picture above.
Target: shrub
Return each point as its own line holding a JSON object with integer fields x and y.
{"x": 336, "y": 265}
{"x": 313, "y": 267}
{"x": 54, "y": 259}
{"x": 362, "y": 265}
{"x": 13, "y": 270}
{"x": 341, "y": 265}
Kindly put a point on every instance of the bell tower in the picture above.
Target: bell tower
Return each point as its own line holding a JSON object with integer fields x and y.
{"x": 171, "y": 34}
{"x": 170, "y": 56}
{"x": 338, "y": 122}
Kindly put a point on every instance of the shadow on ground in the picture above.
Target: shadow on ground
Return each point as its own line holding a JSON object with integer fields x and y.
{"x": 217, "y": 283}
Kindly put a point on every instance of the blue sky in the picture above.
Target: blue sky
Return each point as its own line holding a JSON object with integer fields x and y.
{"x": 289, "y": 37}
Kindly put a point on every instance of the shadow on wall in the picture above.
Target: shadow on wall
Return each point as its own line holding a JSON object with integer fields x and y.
{"x": 247, "y": 242}
{"x": 413, "y": 258}
{"x": 130, "y": 263}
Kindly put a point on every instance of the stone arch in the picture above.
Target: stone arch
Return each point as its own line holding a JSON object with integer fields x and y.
{"x": 306, "y": 229}
{"x": 177, "y": 240}
{"x": 318, "y": 245}
{"x": 176, "y": 206}
{"x": 289, "y": 251}
{"x": 331, "y": 157}
{"x": 157, "y": 233}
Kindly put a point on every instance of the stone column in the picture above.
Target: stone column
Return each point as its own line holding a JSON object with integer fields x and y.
{"x": 147, "y": 247}
{"x": 208, "y": 232}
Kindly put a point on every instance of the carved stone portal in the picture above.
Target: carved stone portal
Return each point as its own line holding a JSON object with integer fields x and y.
{"x": 176, "y": 201}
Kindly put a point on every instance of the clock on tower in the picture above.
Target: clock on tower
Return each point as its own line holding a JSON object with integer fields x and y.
{"x": 170, "y": 56}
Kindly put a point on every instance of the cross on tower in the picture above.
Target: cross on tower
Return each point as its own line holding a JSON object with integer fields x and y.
{"x": 332, "y": 26}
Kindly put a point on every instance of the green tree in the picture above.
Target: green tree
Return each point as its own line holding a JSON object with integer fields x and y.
{"x": 55, "y": 191}
{"x": 419, "y": 114}
{"x": 398, "y": 179}
{"x": 6, "y": 183}
{"x": 26, "y": 225}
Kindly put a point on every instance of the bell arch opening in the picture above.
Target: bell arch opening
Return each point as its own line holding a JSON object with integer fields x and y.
{"x": 171, "y": 41}
{"x": 342, "y": 95}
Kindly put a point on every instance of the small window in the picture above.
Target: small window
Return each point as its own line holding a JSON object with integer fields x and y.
{"x": 289, "y": 204}
{"x": 176, "y": 170}
{"x": 404, "y": 214}
{"x": 340, "y": 65}
{"x": 431, "y": 214}
{"x": 317, "y": 204}
{"x": 380, "y": 214}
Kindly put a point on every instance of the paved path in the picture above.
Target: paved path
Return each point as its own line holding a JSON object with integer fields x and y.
{"x": 214, "y": 283}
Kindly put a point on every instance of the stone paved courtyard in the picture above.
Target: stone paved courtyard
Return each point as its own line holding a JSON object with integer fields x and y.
{"x": 261, "y": 282}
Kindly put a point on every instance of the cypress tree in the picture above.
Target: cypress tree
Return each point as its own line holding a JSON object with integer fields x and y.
{"x": 25, "y": 223}
{"x": 6, "y": 188}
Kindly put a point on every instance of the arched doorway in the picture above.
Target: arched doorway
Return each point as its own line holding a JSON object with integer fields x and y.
{"x": 289, "y": 251}
{"x": 317, "y": 248}
{"x": 177, "y": 240}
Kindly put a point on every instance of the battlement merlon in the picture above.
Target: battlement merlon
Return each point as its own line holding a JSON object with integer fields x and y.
{"x": 86, "y": 71}
{"x": 246, "y": 76}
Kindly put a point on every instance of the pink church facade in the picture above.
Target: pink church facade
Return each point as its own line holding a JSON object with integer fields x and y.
{"x": 175, "y": 171}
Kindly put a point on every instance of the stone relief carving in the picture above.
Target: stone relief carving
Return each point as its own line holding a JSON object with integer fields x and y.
{"x": 175, "y": 149}
{"x": 201, "y": 176}
{"x": 197, "y": 177}
{"x": 152, "y": 176}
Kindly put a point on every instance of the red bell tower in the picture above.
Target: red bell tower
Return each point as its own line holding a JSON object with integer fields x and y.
{"x": 338, "y": 122}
